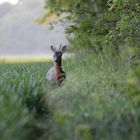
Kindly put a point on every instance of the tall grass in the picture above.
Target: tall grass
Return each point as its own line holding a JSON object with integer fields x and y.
{"x": 93, "y": 102}
{"x": 20, "y": 99}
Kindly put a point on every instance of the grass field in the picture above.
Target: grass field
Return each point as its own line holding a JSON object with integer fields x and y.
{"x": 92, "y": 104}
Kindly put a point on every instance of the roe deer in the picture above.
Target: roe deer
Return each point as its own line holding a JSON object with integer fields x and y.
{"x": 56, "y": 75}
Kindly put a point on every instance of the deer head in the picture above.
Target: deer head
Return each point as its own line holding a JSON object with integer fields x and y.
{"x": 57, "y": 54}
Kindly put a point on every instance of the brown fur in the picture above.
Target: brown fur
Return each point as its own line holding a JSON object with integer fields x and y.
{"x": 56, "y": 74}
{"x": 58, "y": 70}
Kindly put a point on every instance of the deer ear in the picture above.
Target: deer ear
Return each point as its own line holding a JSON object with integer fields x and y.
{"x": 63, "y": 49}
{"x": 52, "y": 48}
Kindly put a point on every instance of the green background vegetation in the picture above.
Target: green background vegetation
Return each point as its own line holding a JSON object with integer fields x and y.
{"x": 101, "y": 96}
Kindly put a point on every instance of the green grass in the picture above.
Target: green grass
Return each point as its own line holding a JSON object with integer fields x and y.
{"x": 93, "y": 102}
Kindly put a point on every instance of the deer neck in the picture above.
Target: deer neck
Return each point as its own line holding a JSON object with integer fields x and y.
{"x": 58, "y": 69}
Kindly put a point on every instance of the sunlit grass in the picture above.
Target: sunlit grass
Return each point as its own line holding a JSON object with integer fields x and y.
{"x": 28, "y": 58}
{"x": 24, "y": 59}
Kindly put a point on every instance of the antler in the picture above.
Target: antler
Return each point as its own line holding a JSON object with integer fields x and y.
{"x": 60, "y": 47}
